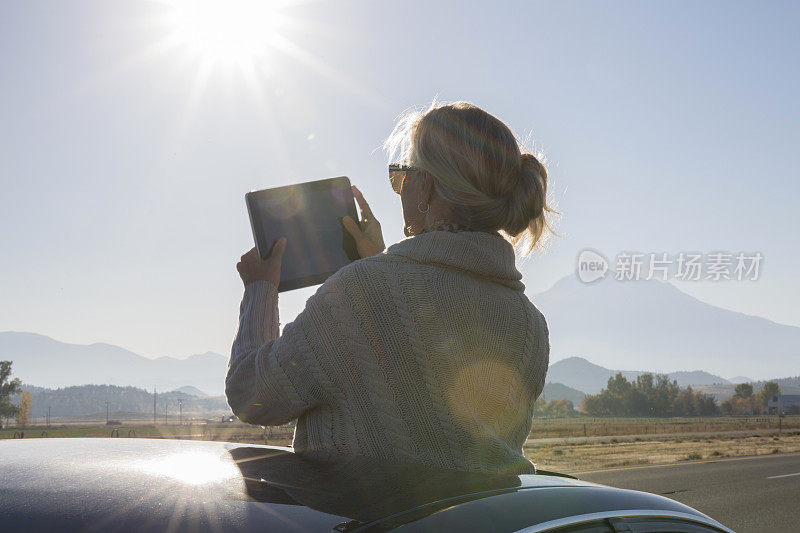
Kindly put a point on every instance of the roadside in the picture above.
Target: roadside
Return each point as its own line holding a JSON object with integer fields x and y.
{"x": 615, "y": 438}
{"x": 567, "y": 456}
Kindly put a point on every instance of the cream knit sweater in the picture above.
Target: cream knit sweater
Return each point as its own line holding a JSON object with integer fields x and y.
{"x": 429, "y": 352}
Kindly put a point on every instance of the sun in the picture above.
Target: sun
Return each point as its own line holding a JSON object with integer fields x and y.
{"x": 231, "y": 31}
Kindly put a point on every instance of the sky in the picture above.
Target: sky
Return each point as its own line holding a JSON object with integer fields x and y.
{"x": 132, "y": 130}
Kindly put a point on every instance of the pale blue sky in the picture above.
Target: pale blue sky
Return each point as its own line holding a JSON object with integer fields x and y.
{"x": 123, "y": 162}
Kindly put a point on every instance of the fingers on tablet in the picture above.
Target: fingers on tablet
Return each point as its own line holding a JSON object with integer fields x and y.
{"x": 351, "y": 227}
{"x": 366, "y": 212}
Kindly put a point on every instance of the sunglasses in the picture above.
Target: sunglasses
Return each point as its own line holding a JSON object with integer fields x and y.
{"x": 397, "y": 175}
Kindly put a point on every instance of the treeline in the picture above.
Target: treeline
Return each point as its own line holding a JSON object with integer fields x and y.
{"x": 746, "y": 401}
{"x": 553, "y": 409}
{"x": 649, "y": 395}
{"x": 91, "y": 399}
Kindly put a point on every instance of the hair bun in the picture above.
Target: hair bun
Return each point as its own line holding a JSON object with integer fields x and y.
{"x": 527, "y": 199}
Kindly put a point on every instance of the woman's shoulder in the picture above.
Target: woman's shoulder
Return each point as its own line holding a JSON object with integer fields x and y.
{"x": 359, "y": 270}
{"x": 380, "y": 262}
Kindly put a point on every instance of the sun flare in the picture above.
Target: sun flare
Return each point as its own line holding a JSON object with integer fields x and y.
{"x": 191, "y": 468}
{"x": 236, "y": 31}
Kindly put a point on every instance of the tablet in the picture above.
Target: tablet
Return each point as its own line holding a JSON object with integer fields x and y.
{"x": 310, "y": 216}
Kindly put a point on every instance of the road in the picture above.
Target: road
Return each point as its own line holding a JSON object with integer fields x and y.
{"x": 747, "y": 494}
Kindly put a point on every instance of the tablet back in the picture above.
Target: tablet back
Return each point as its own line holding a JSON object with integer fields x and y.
{"x": 310, "y": 216}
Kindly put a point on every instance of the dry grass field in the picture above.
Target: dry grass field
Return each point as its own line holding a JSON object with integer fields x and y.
{"x": 590, "y": 455}
{"x": 590, "y": 427}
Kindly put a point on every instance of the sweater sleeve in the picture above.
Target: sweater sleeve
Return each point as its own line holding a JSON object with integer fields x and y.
{"x": 271, "y": 379}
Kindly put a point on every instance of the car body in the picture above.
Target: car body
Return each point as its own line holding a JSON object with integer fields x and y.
{"x": 180, "y": 485}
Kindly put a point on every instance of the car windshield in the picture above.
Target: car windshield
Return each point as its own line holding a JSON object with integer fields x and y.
{"x": 578, "y": 263}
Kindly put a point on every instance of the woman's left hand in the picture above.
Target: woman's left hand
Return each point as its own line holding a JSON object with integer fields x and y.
{"x": 252, "y": 268}
{"x": 367, "y": 234}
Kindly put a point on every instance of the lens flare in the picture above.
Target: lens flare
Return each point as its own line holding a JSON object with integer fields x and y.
{"x": 230, "y": 30}
{"x": 192, "y": 468}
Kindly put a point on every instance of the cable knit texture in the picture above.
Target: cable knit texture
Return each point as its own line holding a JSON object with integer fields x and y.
{"x": 429, "y": 353}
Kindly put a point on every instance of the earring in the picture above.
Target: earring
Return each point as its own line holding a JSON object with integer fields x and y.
{"x": 419, "y": 208}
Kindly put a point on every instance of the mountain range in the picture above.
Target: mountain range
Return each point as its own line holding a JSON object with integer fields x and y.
{"x": 655, "y": 326}
{"x": 45, "y": 362}
{"x": 648, "y": 325}
{"x": 119, "y": 402}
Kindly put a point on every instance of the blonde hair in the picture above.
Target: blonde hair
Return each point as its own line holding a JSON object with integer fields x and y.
{"x": 479, "y": 167}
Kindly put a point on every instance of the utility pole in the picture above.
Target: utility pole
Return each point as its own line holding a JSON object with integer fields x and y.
{"x": 165, "y": 413}
{"x": 180, "y": 406}
{"x": 48, "y": 417}
{"x": 106, "y": 413}
{"x": 154, "y": 406}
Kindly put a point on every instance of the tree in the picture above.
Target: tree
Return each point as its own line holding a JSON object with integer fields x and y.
{"x": 649, "y": 395}
{"x": 736, "y": 405}
{"x": 554, "y": 408}
{"x": 7, "y": 388}
{"x": 24, "y": 409}
{"x": 769, "y": 390}
{"x": 743, "y": 390}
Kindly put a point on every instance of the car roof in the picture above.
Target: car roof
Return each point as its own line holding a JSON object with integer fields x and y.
{"x": 105, "y": 484}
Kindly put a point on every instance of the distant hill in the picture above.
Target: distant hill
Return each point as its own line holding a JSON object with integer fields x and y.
{"x": 585, "y": 376}
{"x": 559, "y": 391}
{"x": 589, "y": 378}
{"x": 740, "y": 379}
{"x": 695, "y": 377}
{"x": 653, "y": 325}
{"x": 50, "y": 363}
{"x": 723, "y": 392}
{"x": 123, "y": 402}
{"x": 191, "y": 391}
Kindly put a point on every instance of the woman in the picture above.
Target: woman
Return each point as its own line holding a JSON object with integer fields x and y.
{"x": 428, "y": 351}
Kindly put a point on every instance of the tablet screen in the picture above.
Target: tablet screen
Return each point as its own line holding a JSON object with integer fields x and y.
{"x": 309, "y": 216}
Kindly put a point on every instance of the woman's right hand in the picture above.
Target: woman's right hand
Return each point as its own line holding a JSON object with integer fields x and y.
{"x": 367, "y": 233}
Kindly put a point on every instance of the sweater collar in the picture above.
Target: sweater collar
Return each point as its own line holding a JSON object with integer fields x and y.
{"x": 481, "y": 254}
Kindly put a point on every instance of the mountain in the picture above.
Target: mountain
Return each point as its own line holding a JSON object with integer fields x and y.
{"x": 654, "y": 326}
{"x": 191, "y": 391}
{"x": 559, "y": 391}
{"x": 695, "y": 377}
{"x": 580, "y": 374}
{"x": 590, "y": 378}
{"x": 50, "y": 363}
{"x": 123, "y": 402}
{"x": 740, "y": 379}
